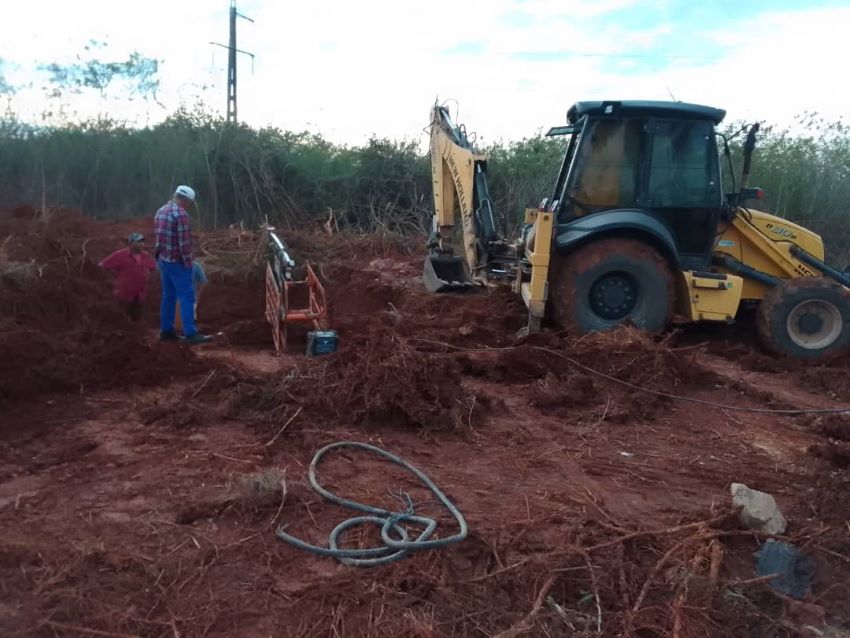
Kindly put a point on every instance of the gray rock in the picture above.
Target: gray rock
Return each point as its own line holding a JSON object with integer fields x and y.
{"x": 760, "y": 511}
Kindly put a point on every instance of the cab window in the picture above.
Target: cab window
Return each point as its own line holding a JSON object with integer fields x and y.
{"x": 608, "y": 165}
{"x": 683, "y": 165}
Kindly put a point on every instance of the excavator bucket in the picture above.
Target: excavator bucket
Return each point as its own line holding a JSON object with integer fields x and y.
{"x": 446, "y": 274}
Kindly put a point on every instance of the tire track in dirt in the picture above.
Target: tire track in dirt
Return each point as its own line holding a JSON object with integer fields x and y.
{"x": 781, "y": 391}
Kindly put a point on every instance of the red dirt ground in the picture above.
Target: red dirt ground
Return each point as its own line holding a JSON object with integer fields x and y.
{"x": 140, "y": 483}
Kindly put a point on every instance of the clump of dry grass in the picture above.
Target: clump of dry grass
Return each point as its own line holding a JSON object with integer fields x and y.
{"x": 251, "y": 495}
{"x": 261, "y": 489}
{"x": 16, "y": 271}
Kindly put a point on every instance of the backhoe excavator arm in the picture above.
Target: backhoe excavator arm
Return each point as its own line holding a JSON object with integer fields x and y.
{"x": 459, "y": 180}
{"x": 459, "y": 176}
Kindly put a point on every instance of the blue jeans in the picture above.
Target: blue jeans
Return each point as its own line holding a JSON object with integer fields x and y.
{"x": 177, "y": 284}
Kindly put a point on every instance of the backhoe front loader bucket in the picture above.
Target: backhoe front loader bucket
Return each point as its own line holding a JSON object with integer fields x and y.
{"x": 446, "y": 274}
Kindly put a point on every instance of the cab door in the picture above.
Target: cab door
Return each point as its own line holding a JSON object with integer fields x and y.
{"x": 683, "y": 185}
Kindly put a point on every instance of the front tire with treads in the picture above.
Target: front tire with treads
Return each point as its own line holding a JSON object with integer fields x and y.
{"x": 805, "y": 318}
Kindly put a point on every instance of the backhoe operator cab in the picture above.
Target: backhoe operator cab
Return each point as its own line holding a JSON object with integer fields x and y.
{"x": 637, "y": 200}
{"x": 656, "y": 162}
{"x": 636, "y": 229}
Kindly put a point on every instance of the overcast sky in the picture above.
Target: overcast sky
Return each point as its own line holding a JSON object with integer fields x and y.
{"x": 373, "y": 67}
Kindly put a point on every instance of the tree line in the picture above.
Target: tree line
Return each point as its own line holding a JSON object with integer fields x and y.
{"x": 245, "y": 175}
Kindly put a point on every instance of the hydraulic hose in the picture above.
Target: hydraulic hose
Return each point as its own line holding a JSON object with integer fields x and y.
{"x": 395, "y": 547}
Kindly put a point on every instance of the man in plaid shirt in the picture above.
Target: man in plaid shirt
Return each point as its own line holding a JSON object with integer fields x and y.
{"x": 173, "y": 252}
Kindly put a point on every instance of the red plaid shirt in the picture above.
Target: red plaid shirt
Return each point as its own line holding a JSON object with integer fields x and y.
{"x": 173, "y": 237}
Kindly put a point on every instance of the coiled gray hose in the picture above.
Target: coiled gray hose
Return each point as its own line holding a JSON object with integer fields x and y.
{"x": 394, "y": 548}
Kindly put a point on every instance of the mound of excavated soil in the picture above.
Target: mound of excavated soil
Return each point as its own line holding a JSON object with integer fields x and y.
{"x": 61, "y": 330}
{"x": 377, "y": 381}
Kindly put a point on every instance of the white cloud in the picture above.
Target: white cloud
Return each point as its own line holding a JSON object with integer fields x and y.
{"x": 350, "y": 70}
{"x": 572, "y": 9}
{"x": 783, "y": 65}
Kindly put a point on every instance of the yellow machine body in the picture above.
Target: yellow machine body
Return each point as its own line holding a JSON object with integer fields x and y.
{"x": 535, "y": 291}
{"x": 760, "y": 241}
{"x": 704, "y": 298}
{"x": 763, "y": 242}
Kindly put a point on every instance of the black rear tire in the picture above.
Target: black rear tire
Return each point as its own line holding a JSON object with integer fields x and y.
{"x": 805, "y": 318}
{"x": 610, "y": 282}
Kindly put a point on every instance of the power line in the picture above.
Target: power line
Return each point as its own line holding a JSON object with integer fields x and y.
{"x": 542, "y": 55}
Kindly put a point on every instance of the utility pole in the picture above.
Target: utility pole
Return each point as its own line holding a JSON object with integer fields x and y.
{"x": 231, "y": 61}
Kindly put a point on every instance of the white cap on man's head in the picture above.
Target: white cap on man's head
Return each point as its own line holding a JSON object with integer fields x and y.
{"x": 185, "y": 191}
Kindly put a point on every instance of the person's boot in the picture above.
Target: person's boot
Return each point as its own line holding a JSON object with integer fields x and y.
{"x": 197, "y": 338}
{"x": 168, "y": 335}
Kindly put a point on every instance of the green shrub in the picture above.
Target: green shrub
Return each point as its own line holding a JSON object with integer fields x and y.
{"x": 296, "y": 179}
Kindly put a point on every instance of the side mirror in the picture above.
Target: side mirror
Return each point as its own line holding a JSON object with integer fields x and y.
{"x": 557, "y": 131}
{"x": 737, "y": 199}
{"x": 750, "y": 193}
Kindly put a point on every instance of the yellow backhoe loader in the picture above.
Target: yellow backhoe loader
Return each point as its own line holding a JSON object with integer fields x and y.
{"x": 637, "y": 228}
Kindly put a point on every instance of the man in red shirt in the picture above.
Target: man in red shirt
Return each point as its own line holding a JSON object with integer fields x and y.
{"x": 132, "y": 266}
